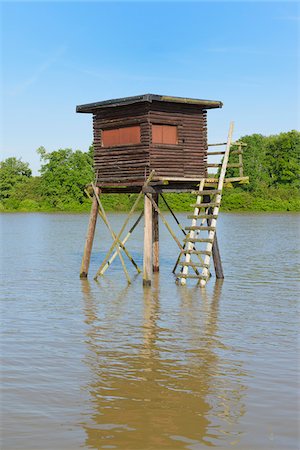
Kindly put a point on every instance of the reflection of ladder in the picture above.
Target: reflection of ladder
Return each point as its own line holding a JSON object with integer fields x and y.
{"x": 206, "y": 210}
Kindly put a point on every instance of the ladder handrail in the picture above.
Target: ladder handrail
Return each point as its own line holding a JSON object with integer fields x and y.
{"x": 212, "y": 226}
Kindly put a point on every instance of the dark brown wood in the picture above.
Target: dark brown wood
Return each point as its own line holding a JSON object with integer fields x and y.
{"x": 147, "y": 262}
{"x": 155, "y": 245}
{"x": 90, "y": 238}
{"x": 216, "y": 253}
{"x": 182, "y": 151}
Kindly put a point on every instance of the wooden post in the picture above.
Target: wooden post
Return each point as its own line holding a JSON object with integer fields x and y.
{"x": 155, "y": 245}
{"x": 90, "y": 238}
{"x": 147, "y": 264}
{"x": 217, "y": 259}
{"x": 216, "y": 252}
{"x": 241, "y": 171}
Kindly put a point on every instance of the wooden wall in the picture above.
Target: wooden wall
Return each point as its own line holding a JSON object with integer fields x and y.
{"x": 132, "y": 163}
{"x": 187, "y": 158}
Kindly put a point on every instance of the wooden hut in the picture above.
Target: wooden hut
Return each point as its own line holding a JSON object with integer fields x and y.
{"x": 134, "y": 135}
{"x": 154, "y": 144}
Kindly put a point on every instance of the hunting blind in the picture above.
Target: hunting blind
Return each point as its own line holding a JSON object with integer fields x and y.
{"x": 150, "y": 145}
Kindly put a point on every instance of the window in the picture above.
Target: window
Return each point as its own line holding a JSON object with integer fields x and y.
{"x": 121, "y": 136}
{"x": 164, "y": 134}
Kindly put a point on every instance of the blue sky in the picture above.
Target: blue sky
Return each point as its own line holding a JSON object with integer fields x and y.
{"x": 57, "y": 55}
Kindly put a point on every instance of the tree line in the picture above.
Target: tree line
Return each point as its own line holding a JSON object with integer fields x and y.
{"x": 271, "y": 162}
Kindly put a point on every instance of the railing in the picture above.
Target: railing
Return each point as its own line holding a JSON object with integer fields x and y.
{"x": 238, "y": 152}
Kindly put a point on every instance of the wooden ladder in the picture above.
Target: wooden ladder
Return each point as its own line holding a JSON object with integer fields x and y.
{"x": 207, "y": 213}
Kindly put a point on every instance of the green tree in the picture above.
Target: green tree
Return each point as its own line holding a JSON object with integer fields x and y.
{"x": 254, "y": 161}
{"x": 64, "y": 174}
{"x": 13, "y": 171}
{"x": 283, "y": 159}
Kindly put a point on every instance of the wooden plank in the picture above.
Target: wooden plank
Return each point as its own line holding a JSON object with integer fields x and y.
{"x": 215, "y": 211}
{"x": 191, "y": 264}
{"x": 155, "y": 245}
{"x": 199, "y": 227}
{"x": 198, "y": 240}
{"x": 109, "y": 262}
{"x": 215, "y": 145}
{"x": 205, "y": 205}
{"x": 199, "y": 277}
{"x": 118, "y": 246}
{"x": 190, "y": 246}
{"x": 206, "y": 192}
{"x": 228, "y": 180}
{"x": 89, "y": 238}
{"x": 148, "y": 229}
{"x": 117, "y": 239}
{"x": 202, "y": 216}
{"x": 197, "y": 252}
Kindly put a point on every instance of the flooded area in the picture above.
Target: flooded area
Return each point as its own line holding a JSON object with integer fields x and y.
{"x": 103, "y": 365}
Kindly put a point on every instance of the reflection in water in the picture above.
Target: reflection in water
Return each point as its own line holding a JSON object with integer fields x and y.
{"x": 159, "y": 385}
{"x": 94, "y": 366}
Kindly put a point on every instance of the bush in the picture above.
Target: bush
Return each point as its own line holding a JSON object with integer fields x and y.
{"x": 28, "y": 205}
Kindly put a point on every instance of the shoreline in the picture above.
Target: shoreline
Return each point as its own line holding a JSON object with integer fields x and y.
{"x": 225, "y": 211}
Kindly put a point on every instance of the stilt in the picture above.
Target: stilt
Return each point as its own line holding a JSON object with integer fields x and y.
{"x": 216, "y": 253}
{"x": 155, "y": 219}
{"x": 217, "y": 259}
{"x": 90, "y": 238}
{"x": 147, "y": 265}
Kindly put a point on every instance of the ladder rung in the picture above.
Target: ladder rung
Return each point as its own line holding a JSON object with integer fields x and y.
{"x": 197, "y": 252}
{"x": 200, "y": 276}
{"x": 206, "y": 205}
{"x": 191, "y": 264}
{"x": 214, "y": 165}
{"x": 207, "y": 192}
{"x": 228, "y": 165}
{"x": 234, "y": 165}
{"x": 233, "y": 152}
{"x": 216, "y": 153}
{"x": 236, "y": 152}
{"x": 219, "y": 143}
{"x": 199, "y": 227}
{"x": 202, "y": 216}
{"x": 198, "y": 240}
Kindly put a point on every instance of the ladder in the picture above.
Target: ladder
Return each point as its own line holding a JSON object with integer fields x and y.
{"x": 206, "y": 210}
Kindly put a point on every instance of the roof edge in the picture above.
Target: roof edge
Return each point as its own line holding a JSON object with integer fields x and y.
{"x": 91, "y": 107}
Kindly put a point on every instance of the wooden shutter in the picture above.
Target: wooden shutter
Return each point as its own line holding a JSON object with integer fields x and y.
{"x": 164, "y": 134}
{"x": 121, "y": 136}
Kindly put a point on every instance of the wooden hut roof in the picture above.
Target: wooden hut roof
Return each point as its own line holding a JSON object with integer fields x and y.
{"x": 91, "y": 107}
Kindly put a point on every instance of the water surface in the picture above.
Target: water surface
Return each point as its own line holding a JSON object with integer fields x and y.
{"x": 106, "y": 365}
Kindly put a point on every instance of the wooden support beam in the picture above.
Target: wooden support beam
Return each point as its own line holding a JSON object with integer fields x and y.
{"x": 155, "y": 245}
{"x": 109, "y": 262}
{"x": 217, "y": 259}
{"x": 117, "y": 239}
{"x": 216, "y": 252}
{"x": 241, "y": 169}
{"x": 148, "y": 228}
{"x": 118, "y": 247}
{"x": 89, "y": 238}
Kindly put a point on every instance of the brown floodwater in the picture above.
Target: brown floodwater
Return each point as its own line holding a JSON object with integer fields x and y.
{"x": 104, "y": 365}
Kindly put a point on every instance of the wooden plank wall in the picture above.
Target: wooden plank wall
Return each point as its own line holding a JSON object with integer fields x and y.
{"x": 126, "y": 163}
{"x": 189, "y": 157}
{"x": 133, "y": 163}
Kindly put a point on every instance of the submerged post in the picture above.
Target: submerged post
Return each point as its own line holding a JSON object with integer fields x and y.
{"x": 155, "y": 218}
{"x": 216, "y": 253}
{"x": 148, "y": 231}
{"x": 89, "y": 238}
{"x": 217, "y": 259}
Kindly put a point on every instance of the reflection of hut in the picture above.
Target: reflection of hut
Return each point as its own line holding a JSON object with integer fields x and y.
{"x": 153, "y": 388}
{"x": 154, "y": 144}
